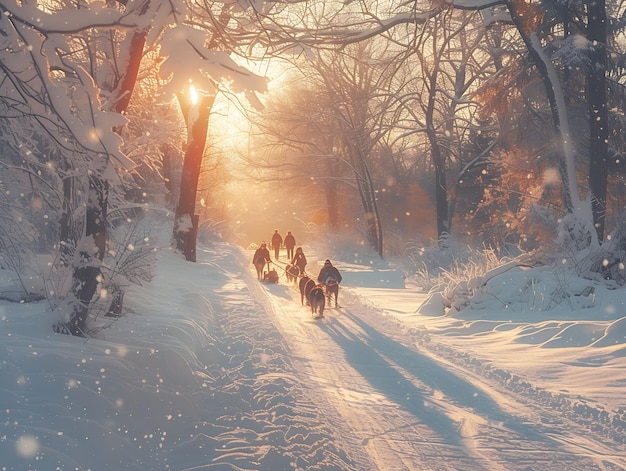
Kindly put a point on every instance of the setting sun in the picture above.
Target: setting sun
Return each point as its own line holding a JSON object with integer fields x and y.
{"x": 193, "y": 94}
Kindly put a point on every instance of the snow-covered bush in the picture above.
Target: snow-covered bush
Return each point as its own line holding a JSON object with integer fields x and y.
{"x": 604, "y": 262}
{"x": 521, "y": 288}
{"x": 610, "y": 258}
{"x": 565, "y": 274}
{"x": 212, "y": 231}
{"x": 16, "y": 257}
{"x": 438, "y": 268}
{"x": 130, "y": 259}
{"x": 578, "y": 250}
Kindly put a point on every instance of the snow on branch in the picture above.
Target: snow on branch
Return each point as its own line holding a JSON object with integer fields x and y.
{"x": 345, "y": 36}
{"x": 188, "y": 60}
{"x": 477, "y": 4}
{"x": 492, "y": 11}
{"x": 574, "y": 51}
{"x": 70, "y": 20}
{"x": 47, "y": 85}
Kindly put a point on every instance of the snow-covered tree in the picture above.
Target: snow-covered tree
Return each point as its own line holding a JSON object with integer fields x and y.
{"x": 586, "y": 216}
{"x": 72, "y": 69}
{"x": 449, "y": 62}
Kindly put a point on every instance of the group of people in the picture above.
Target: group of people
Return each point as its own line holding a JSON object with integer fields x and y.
{"x": 278, "y": 242}
{"x": 297, "y": 259}
{"x": 262, "y": 254}
{"x": 326, "y": 285}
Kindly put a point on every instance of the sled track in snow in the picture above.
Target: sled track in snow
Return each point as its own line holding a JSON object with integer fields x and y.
{"x": 393, "y": 425}
{"x": 606, "y": 428}
{"x": 594, "y": 434}
{"x": 269, "y": 422}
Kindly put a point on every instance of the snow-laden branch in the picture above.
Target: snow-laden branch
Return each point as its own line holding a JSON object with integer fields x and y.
{"x": 296, "y": 40}
{"x": 66, "y": 21}
{"x": 487, "y": 9}
{"x": 347, "y": 36}
{"x": 67, "y": 100}
{"x": 476, "y": 4}
{"x": 563, "y": 125}
{"x": 188, "y": 60}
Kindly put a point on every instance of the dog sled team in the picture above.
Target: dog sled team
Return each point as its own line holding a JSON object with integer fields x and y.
{"x": 315, "y": 291}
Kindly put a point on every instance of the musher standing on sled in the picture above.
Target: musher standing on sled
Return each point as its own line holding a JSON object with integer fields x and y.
{"x": 260, "y": 258}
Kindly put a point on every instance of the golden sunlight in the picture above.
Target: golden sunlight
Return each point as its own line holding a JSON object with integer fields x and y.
{"x": 193, "y": 94}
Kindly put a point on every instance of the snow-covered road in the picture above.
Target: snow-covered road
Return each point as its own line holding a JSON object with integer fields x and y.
{"x": 212, "y": 370}
{"x": 396, "y": 400}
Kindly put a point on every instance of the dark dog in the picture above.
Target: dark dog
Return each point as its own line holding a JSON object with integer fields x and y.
{"x": 317, "y": 300}
{"x": 306, "y": 285}
{"x": 332, "y": 287}
{"x": 307, "y": 289}
{"x": 303, "y": 281}
{"x": 292, "y": 272}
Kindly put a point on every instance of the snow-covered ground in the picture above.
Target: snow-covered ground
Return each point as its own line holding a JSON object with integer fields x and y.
{"x": 212, "y": 370}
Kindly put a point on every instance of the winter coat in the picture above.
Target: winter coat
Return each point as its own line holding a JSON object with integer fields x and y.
{"x": 276, "y": 240}
{"x": 327, "y": 272}
{"x": 299, "y": 260}
{"x": 290, "y": 241}
{"x": 261, "y": 255}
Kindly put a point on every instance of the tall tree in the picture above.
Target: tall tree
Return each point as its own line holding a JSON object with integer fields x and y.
{"x": 356, "y": 81}
{"x": 527, "y": 18}
{"x": 53, "y": 76}
{"x": 598, "y": 112}
{"x": 447, "y": 64}
{"x": 87, "y": 275}
{"x": 196, "y": 111}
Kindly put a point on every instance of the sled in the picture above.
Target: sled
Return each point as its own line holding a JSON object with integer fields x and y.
{"x": 270, "y": 277}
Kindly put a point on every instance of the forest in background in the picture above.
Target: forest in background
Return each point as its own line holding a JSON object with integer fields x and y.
{"x": 404, "y": 126}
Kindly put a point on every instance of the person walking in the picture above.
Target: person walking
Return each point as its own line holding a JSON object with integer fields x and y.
{"x": 299, "y": 259}
{"x": 277, "y": 241}
{"x": 290, "y": 243}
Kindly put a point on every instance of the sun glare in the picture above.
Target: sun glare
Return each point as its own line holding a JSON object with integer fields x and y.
{"x": 193, "y": 94}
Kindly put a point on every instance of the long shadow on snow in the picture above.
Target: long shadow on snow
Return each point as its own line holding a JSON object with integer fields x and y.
{"x": 374, "y": 357}
{"x": 279, "y": 290}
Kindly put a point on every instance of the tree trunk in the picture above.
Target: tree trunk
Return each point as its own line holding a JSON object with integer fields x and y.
{"x": 332, "y": 198}
{"x": 523, "y": 20}
{"x": 439, "y": 163}
{"x": 186, "y": 223}
{"x": 365, "y": 185}
{"x": 66, "y": 223}
{"x": 373, "y": 216}
{"x": 126, "y": 83}
{"x": 441, "y": 188}
{"x": 598, "y": 113}
{"x": 92, "y": 247}
{"x": 90, "y": 254}
{"x": 331, "y": 205}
